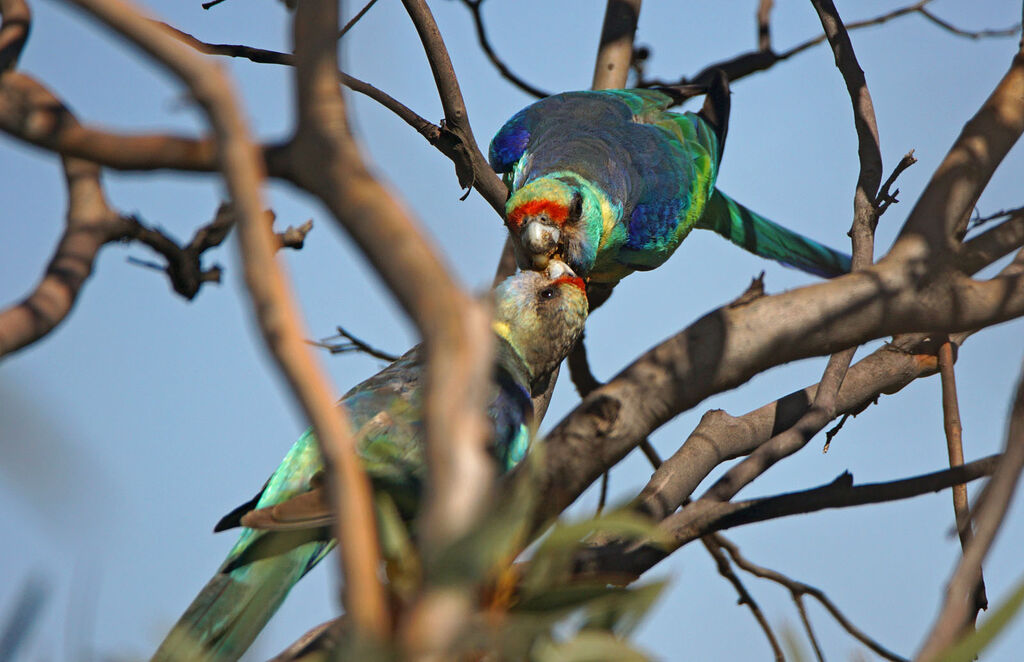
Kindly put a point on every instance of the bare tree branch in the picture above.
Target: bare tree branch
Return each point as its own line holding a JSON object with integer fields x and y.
{"x": 615, "y": 51}
{"x": 799, "y": 589}
{"x": 823, "y": 407}
{"x": 278, "y": 317}
{"x": 624, "y": 562}
{"x": 91, "y": 223}
{"x": 355, "y": 19}
{"x": 959, "y": 605}
{"x": 471, "y": 165}
{"x": 939, "y": 219}
{"x": 761, "y": 59}
{"x": 13, "y": 32}
{"x": 722, "y": 349}
{"x": 714, "y": 545}
{"x": 764, "y": 16}
{"x": 354, "y": 344}
{"x": 455, "y": 328}
{"x": 954, "y": 446}
{"x": 475, "y": 9}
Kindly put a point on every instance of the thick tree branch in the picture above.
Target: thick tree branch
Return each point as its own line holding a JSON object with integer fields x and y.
{"x": 823, "y": 407}
{"x": 939, "y": 219}
{"x": 17, "y": 19}
{"x": 615, "y": 51}
{"x": 904, "y": 293}
{"x": 275, "y": 311}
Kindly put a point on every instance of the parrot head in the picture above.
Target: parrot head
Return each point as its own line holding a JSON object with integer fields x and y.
{"x": 540, "y": 314}
{"x": 555, "y": 217}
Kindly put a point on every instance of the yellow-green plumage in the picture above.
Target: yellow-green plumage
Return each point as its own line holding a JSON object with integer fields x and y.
{"x": 538, "y": 318}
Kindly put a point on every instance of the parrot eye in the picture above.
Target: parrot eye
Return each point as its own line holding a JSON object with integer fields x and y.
{"x": 547, "y": 293}
{"x": 576, "y": 207}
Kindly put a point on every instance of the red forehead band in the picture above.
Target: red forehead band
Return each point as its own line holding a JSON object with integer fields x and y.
{"x": 572, "y": 280}
{"x": 555, "y": 211}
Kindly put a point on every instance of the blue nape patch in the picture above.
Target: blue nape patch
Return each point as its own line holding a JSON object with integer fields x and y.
{"x": 508, "y": 145}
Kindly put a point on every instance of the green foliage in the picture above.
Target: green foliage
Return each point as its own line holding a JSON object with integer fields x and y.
{"x": 969, "y": 647}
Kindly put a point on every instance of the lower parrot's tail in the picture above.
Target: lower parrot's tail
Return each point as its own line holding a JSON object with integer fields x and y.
{"x": 760, "y": 236}
{"x": 231, "y": 610}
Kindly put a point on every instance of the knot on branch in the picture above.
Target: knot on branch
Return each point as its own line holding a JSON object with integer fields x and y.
{"x": 602, "y": 411}
{"x": 452, "y": 144}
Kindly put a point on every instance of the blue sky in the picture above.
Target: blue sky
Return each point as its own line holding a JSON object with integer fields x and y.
{"x": 130, "y": 430}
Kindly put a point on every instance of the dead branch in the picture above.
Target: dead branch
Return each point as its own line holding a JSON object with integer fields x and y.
{"x": 278, "y": 317}
{"x": 885, "y": 198}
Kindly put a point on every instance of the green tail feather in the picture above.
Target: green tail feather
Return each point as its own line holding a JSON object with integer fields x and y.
{"x": 760, "y": 236}
{"x": 232, "y": 609}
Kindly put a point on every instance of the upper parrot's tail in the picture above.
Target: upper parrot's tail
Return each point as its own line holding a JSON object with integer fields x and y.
{"x": 760, "y": 236}
{"x": 233, "y": 607}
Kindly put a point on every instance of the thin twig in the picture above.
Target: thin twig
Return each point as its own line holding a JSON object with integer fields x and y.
{"x": 475, "y": 7}
{"x": 714, "y": 545}
{"x": 799, "y": 589}
{"x": 354, "y": 344}
{"x": 884, "y": 197}
{"x": 990, "y": 512}
{"x": 1011, "y": 31}
{"x": 955, "y": 448}
{"x": 978, "y": 221}
{"x": 745, "y": 64}
{"x": 808, "y": 628}
{"x": 443, "y": 138}
{"x": 355, "y": 19}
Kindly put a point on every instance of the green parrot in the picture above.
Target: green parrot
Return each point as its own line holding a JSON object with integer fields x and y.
{"x": 611, "y": 182}
{"x": 538, "y": 317}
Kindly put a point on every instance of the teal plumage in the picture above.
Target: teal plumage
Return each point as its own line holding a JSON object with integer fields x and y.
{"x": 538, "y": 318}
{"x": 612, "y": 182}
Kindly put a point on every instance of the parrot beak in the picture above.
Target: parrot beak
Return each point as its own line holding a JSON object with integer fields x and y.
{"x": 557, "y": 269}
{"x": 540, "y": 240}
